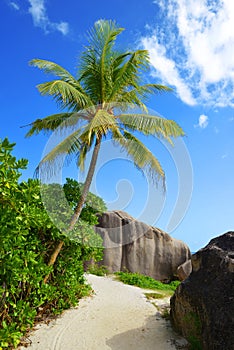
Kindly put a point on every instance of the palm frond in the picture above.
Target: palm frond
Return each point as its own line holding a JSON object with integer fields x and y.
{"x": 152, "y": 88}
{"x": 144, "y": 91}
{"x": 118, "y": 59}
{"x": 50, "y": 123}
{"x": 89, "y": 75}
{"x": 54, "y": 159}
{"x": 152, "y": 125}
{"x": 81, "y": 156}
{"x": 137, "y": 95}
{"x": 110, "y": 33}
{"x": 130, "y": 100}
{"x": 53, "y": 68}
{"x": 103, "y": 35}
{"x": 65, "y": 94}
{"x": 94, "y": 68}
{"x": 66, "y": 77}
{"x": 58, "y": 122}
{"x": 126, "y": 74}
{"x": 141, "y": 155}
{"x": 71, "y": 144}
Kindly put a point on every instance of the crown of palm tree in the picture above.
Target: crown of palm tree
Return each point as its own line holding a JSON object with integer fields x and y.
{"x": 109, "y": 84}
{"x": 99, "y": 103}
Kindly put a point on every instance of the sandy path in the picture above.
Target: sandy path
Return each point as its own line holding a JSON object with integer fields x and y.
{"x": 117, "y": 317}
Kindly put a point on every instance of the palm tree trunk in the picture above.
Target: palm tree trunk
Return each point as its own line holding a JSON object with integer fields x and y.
{"x": 80, "y": 204}
{"x": 87, "y": 184}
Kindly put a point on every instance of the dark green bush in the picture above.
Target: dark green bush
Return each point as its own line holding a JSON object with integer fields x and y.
{"x": 27, "y": 238}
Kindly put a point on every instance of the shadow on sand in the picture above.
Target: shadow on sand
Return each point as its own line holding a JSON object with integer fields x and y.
{"x": 156, "y": 334}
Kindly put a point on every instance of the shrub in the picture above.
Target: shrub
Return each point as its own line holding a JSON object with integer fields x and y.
{"x": 27, "y": 237}
{"x": 146, "y": 282}
{"x": 98, "y": 270}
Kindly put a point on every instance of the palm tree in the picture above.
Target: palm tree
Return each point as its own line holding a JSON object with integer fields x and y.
{"x": 108, "y": 85}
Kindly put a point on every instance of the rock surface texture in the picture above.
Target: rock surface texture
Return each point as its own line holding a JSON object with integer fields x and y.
{"x": 135, "y": 246}
{"x": 184, "y": 270}
{"x": 202, "y": 307}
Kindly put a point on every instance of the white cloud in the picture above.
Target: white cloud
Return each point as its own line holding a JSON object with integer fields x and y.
{"x": 193, "y": 49}
{"x": 40, "y": 18}
{"x": 63, "y": 27}
{"x": 166, "y": 70}
{"x": 38, "y": 12}
{"x": 203, "y": 121}
{"x": 14, "y": 5}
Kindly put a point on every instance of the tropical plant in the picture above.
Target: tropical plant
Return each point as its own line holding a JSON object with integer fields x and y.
{"x": 27, "y": 238}
{"x": 101, "y": 102}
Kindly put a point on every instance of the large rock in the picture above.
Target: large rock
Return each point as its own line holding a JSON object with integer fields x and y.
{"x": 134, "y": 246}
{"x": 184, "y": 270}
{"x": 202, "y": 308}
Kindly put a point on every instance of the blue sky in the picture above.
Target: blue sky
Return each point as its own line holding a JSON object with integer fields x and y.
{"x": 191, "y": 46}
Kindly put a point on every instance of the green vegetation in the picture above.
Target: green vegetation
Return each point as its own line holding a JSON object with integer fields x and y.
{"x": 166, "y": 313}
{"x": 98, "y": 270}
{"x": 109, "y": 84}
{"x": 43, "y": 244}
{"x": 194, "y": 343}
{"x": 27, "y": 238}
{"x": 193, "y": 326}
{"x": 150, "y": 296}
{"x": 145, "y": 282}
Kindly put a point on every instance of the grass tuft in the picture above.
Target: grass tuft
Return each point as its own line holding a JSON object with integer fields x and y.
{"x": 150, "y": 296}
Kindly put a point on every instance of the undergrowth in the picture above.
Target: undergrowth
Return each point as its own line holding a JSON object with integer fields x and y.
{"x": 27, "y": 239}
{"x": 98, "y": 270}
{"x": 145, "y": 282}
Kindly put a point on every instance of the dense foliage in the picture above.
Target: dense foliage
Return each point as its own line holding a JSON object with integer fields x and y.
{"x": 146, "y": 282}
{"x": 27, "y": 237}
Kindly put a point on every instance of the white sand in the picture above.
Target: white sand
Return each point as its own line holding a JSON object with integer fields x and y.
{"x": 116, "y": 317}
